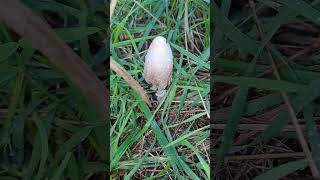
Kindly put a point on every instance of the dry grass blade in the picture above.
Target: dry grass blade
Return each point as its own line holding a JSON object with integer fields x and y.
{"x": 19, "y": 18}
{"x": 132, "y": 82}
{"x": 112, "y": 6}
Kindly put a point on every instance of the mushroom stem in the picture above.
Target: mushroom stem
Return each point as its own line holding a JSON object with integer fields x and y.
{"x": 160, "y": 94}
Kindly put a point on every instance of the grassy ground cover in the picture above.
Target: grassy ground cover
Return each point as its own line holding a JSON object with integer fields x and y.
{"x": 171, "y": 139}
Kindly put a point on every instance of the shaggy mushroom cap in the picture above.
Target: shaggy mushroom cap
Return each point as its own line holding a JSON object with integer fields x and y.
{"x": 158, "y": 65}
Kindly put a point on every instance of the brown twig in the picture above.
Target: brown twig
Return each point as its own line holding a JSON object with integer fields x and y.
{"x": 21, "y": 19}
{"x": 285, "y": 97}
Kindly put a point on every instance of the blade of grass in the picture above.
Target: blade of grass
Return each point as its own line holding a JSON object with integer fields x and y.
{"x": 138, "y": 165}
{"x": 197, "y": 60}
{"x": 7, "y": 49}
{"x": 62, "y": 167}
{"x": 283, "y": 170}
{"x": 276, "y": 85}
{"x": 312, "y": 134}
{"x": 44, "y": 146}
{"x": 76, "y": 139}
{"x": 185, "y": 136}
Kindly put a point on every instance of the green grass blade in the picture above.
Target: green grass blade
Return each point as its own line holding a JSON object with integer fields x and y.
{"x": 197, "y": 60}
{"x": 137, "y": 166}
{"x": 76, "y": 139}
{"x": 75, "y": 33}
{"x": 312, "y": 134}
{"x": 44, "y": 146}
{"x": 276, "y": 85}
{"x": 185, "y": 136}
{"x": 7, "y": 49}
{"x": 283, "y": 170}
{"x": 62, "y": 167}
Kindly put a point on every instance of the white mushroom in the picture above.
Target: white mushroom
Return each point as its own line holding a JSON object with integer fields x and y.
{"x": 158, "y": 65}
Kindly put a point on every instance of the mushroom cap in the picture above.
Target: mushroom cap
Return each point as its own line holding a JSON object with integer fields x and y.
{"x": 158, "y": 64}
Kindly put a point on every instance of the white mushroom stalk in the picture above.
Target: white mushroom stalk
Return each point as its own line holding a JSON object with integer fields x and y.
{"x": 158, "y": 66}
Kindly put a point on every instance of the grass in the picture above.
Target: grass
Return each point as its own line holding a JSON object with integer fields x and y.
{"x": 171, "y": 139}
{"x": 48, "y": 130}
{"x": 261, "y": 98}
